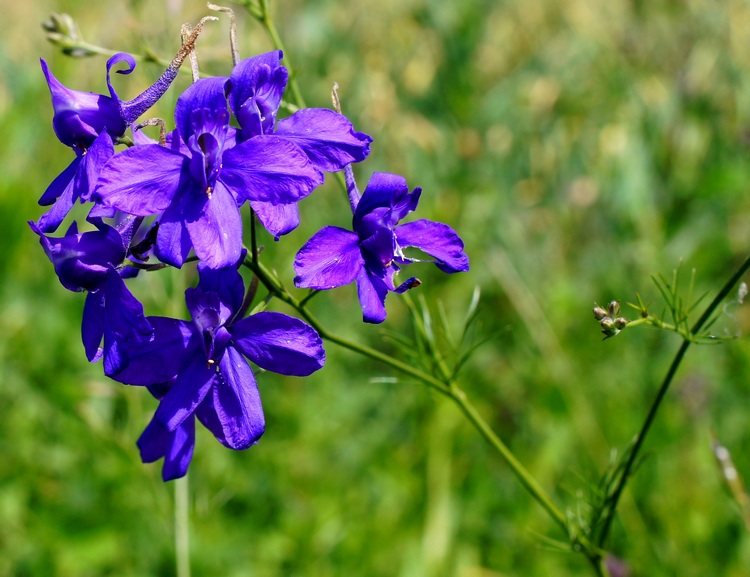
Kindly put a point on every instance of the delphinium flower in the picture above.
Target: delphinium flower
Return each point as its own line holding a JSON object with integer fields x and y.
{"x": 199, "y": 367}
{"x": 89, "y": 123}
{"x": 373, "y": 253}
{"x": 93, "y": 261}
{"x": 255, "y": 89}
{"x": 197, "y": 183}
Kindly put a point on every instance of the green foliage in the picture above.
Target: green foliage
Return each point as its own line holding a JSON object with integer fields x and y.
{"x": 577, "y": 147}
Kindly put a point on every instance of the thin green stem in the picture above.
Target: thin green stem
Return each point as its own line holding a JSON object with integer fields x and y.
{"x": 446, "y": 386}
{"x": 661, "y": 393}
{"x": 529, "y": 483}
{"x": 181, "y": 527}
{"x": 253, "y": 238}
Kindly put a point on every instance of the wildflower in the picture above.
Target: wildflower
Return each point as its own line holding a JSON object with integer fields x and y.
{"x": 199, "y": 181}
{"x": 92, "y": 261}
{"x": 204, "y": 362}
{"x": 373, "y": 253}
{"x": 254, "y": 89}
{"x": 89, "y": 123}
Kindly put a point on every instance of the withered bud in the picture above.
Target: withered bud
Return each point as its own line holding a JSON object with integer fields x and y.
{"x": 62, "y": 31}
{"x": 599, "y": 312}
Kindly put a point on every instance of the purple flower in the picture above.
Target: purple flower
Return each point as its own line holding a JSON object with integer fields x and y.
{"x": 88, "y": 123}
{"x": 373, "y": 253}
{"x": 92, "y": 261}
{"x": 203, "y": 360}
{"x": 328, "y": 139}
{"x": 199, "y": 181}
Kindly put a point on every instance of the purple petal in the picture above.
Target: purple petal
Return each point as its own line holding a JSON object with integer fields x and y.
{"x": 279, "y": 219}
{"x": 142, "y": 180}
{"x": 385, "y": 190}
{"x": 52, "y": 219}
{"x": 113, "y": 61}
{"x": 93, "y": 161}
{"x": 92, "y": 327}
{"x": 255, "y": 88}
{"x": 61, "y": 182}
{"x": 174, "y": 345}
{"x": 408, "y": 284}
{"x": 327, "y": 138}
{"x": 236, "y": 402}
{"x": 215, "y": 227}
{"x": 81, "y": 261}
{"x": 436, "y": 239}
{"x": 79, "y": 117}
{"x": 126, "y": 324}
{"x": 75, "y": 182}
{"x": 279, "y": 343}
{"x": 331, "y": 258}
{"x": 173, "y": 242}
{"x": 227, "y": 284}
{"x": 189, "y": 389}
{"x": 269, "y": 169}
{"x": 175, "y": 447}
{"x": 381, "y": 245}
{"x": 207, "y": 93}
{"x": 98, "y": 212}
{"x": 371, "y": 291}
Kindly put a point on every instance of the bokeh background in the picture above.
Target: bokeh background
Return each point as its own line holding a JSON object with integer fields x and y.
{"x": 577, "y": 146}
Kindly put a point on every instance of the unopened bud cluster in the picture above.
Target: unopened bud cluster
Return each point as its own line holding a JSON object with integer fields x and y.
{"x": 609, "y": 319}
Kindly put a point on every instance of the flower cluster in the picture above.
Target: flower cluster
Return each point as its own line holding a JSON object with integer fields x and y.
{"x": 163, "y": 204}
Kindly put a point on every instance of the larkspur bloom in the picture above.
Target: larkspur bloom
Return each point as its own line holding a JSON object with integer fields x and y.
{"x": 93, "y": 261}
{"x": 373, "y": 253}
{"x": 89, "y": 123}
{"x": 201, "y": 369}
{"x": 329, "y": 140}
{"x": 197, "y": 183}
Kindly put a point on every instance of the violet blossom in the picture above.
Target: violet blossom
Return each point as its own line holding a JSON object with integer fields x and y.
{"x": 197, "y": 183}
{"x": 254, "y": 89}
{"x": 373, "y": 253}
{"x": 203, "y": 363}
{"x": 93, "y": 261}
{"x": 89, "y": 123}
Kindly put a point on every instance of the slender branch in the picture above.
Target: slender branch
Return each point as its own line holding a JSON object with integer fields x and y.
{"x": 529, "y": 483}
{"x": 446, "y": 387}
{"x": 181, "y": 524}
{"x": 274, "y": 286}
{"x": 639, "y": 439}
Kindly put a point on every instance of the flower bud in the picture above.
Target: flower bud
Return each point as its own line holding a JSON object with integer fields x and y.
{"x": 613, "y": 308}
{"x": 599, "y": 312}
{"x": 620, "y": 323}
{"x": 608, "y": 325}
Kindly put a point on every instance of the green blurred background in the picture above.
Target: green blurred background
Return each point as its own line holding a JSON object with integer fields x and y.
{"x": 577, "y": 146}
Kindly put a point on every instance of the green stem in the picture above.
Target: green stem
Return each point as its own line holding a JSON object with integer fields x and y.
{"x": 447, "y": 387}
{"x": 525, "y": 478}
{"x": 181, "y": 529}
{"x": 661, "y": 393}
